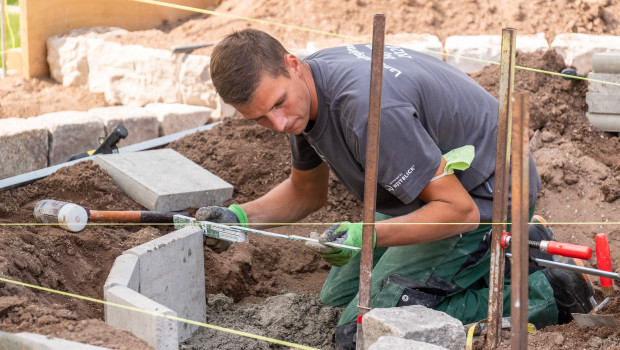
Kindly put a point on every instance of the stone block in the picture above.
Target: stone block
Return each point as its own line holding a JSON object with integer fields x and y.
{"x": 67, "y": 54}
{"x": 223, "y": 110}
{"x": 606, "y": 62}
{"x": 132, "y": 75}
{"x": 23, "y": 146}
{"x": 159, "y": 332}
{"x": 414, "y": 322}
{"x": 605, "y": 122}
{"x": 426, "y": 43}
{"x": 125, "y": 272}
{"x": 33, "y": 341}
{"x": 603, "y": 103}
{"x": 164, "y": 180}
{"x": 195, "y": 85}
{"x": 486, "y": 47}
{"x": 70, "y": 133}
{"x": 141, "y": 124}
{"x": 175, "y": 117}
{"x": 595, "y": 86}
{"x": 577, "y": 48}
{"x": 172, "y": 274}
{"x": 393, "y": 343}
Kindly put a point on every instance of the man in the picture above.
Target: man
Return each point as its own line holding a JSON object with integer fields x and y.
{"x": 434, "y": 118}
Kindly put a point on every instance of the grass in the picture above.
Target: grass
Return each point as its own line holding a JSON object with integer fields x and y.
{"x": 14, "y": 39}
{"x": 12, "y": 2}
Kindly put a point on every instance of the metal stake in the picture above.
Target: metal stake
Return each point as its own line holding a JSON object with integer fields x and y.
{"x": 500, "y": 195}
{"x": 371, "y": 168}
{"x": 520, "y": 206}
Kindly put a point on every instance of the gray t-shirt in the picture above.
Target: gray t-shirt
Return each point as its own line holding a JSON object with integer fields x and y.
{"x": 428, "y": 108}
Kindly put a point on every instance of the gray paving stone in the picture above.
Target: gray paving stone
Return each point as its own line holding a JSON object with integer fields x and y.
{"x": 594, "y": 86}
{"x": 605, "y": 122}
{"x": 606, "y": 62}
{"x": 125, "y": 272}
{"x": 33, "y": 341}
{"x": 172, "y": 274}
{"x": 164, "y": 180}
{"x": 395, "y": 343}
{"x": 23, "y": 147}
{"x": 141, "y": 124}
{"x": 603, "y": 103}
{"x": 159, "y": 332}
{"x": 414, "y": 322}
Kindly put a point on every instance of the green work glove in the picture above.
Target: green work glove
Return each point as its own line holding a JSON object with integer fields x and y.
{"x": 234, "y": 215}
{"x": 346, "y": 233}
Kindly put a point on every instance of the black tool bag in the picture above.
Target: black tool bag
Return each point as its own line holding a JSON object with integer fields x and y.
{"x": 428, "y": 294}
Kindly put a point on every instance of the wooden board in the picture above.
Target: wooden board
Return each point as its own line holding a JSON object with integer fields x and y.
{"x": 41, "y": 19}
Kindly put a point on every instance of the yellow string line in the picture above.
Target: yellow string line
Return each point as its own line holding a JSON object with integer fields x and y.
{"x": 357, "y": 38}
{"x": 174, "y": 318}
{"x": 307, "y": 223}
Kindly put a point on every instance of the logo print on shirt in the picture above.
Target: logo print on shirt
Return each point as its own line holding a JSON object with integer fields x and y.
{"x": 400, "y": 179}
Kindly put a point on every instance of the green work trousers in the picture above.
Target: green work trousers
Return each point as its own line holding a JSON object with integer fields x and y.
{"x": 443, "y": 259}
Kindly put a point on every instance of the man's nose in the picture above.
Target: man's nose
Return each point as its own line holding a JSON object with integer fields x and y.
{"x": 278, "y": 120}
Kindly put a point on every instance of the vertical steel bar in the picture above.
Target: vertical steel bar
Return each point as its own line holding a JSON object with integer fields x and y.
{"x": 2, "y": 38}
{"x": 371, "y": 168}
{"x": 500, "y": 193}
{"x": 520, "y": 204}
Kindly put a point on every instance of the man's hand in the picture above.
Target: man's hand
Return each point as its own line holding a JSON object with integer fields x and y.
{"x": 234, "y": 215}
{"x": 344, "y": 233}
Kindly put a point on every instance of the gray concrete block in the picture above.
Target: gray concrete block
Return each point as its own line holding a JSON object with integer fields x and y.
{"x": 605, "y": 122}
{"x": 606, "y": 62}
{"x": 175, "y": 117}
{"x": 414, "y": 322}
{"x": 595, "y": 86}
{"x": 164, "y": 180}
{"x": 172, "y": 274}
{"x": 159, "y": 332}
{"x": 141, "y": 124}
{"x": 603, "y": 103}
{"x": 70, "y": 132}
{"x": 125, "y": 272}
{"x": 393, "y": 343}
{"x": 577, "y": 49}
{"x": 33, "y": 341}
{"x": 23, "y": 147}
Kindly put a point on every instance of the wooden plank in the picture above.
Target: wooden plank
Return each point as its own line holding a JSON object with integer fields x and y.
{"x": 41, "y": 19}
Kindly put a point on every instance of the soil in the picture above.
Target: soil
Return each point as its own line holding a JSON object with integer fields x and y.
{"x": 249, "y": 283}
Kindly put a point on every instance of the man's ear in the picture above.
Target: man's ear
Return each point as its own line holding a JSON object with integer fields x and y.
{"x": 292, "y": 62}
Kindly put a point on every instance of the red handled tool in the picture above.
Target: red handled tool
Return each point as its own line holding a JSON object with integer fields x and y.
{"x": 556, "y": 248}
{"x": 603, "y": 262}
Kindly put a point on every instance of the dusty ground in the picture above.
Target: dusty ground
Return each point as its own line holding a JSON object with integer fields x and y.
{"x": 580, "y": 167}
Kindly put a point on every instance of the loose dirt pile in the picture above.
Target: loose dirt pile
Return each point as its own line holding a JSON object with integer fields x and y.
{"x": 579, "y": 165}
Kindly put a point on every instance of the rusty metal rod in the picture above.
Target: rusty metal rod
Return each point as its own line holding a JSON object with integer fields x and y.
{"x": 371, "y": 169}
{"x": 500, "y": 192}
{"x": 520, "y": 215}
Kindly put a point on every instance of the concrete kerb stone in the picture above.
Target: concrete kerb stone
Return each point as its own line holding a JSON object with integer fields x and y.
{"x": 125, "y": 272}
{"x": 577, "y": 48}
{"x": 164, "y": 180}
{"x": 175, "y": 117}
{"x": 392, "y": 343}
{"x": 32, "y": 341}
{"x": 414, "y": 322}
{"x": 70, "y": 132}
{"x": 606, "y": 62}
{"x": 426, "y": 43}
{"x": 486, "y": 47}
{"x": 23, "y": 146}
{"x": 141, "y": 124}
{"x": 159, "y": 332}
{"x": 597, "y": 87}
{"x": 172, "y": 274}
{"x": 605, "y": 122}
{"x": 603, "y": 103}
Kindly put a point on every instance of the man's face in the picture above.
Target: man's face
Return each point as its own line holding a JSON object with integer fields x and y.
{"x": 280, "y": 103}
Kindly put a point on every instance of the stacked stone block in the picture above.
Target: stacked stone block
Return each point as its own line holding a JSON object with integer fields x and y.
{"x": 603, "y": 99}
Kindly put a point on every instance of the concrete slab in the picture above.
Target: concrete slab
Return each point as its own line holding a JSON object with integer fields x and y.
{"x": 605, "y": 122}
{"x": 578, "y": 49}
{"x": 594, "y": 86}
{"x": 606, "y": 62}
{"x": 70, "y": 133}
{"x": 175, "y": 117}
{"x": 392, "y": 343}
{"x": 159, "y": 332}
{"x": 141, "y": 124}
{"x": 33, "y": 341}
{"x": 172, "y": 274}
{"x": 164, "y": 180}
{"x": 486, "y": 47}
{"x": 599, "y": 102}
{"x": 125, "y": 272}
{"x": 23, "y": 146}
{"x": 414, "y": 322}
